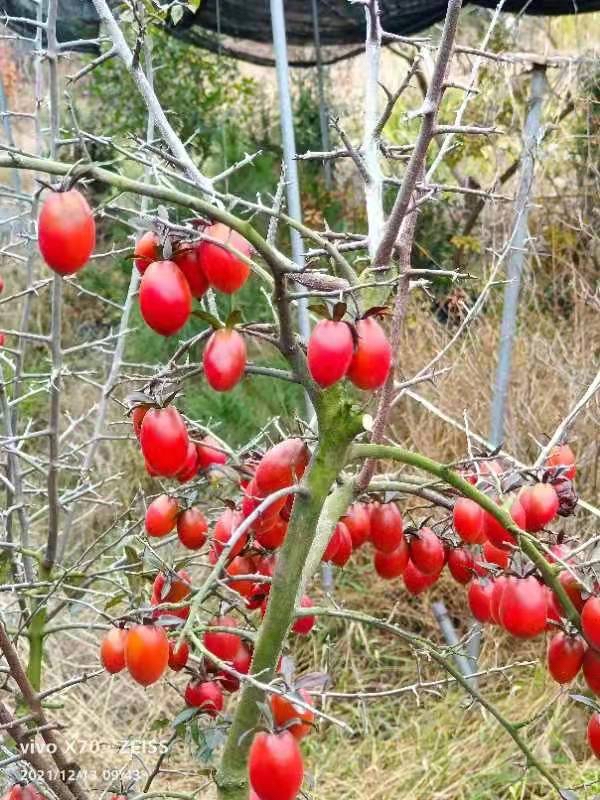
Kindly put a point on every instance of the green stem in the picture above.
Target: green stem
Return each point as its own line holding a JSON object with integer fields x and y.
{"x": 526, "y": 542}
{"x": 338, "y": 425}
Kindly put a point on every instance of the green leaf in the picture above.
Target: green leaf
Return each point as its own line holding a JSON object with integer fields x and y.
{"x": 176, "y": 14}
{"x": 194, "y": 5}
{"x": 234, "y": 318}
{"x": 184, "y": 716}
{"x": 134, "y": 577}
{"x": 320, "y": 310}
{"x": 206, "y": 317}
{"x": 114, "y": 601}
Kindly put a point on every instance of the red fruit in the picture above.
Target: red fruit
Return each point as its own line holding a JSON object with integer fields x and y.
{"x": 146, "y": 653}
{"x": 523, "y": 607}
{"x": 275, "y": 766}
{"x": 224, "y": 359}
{"x": 27, "y": 792}
{"x": 190, "y": 467}
{"x": 340, "y": 540}
{"x": 178, "y": 656}
{"x": 285, "y": 711}
{"x": 461, "y": 564}
{"x": 137, "y": 417}
{"x": 253, "y": 497}
{"x": 227, "y": 523}
{"x": 497, "y": 533}
{"x": 553, "y": 615}
{"x": 112, "y": 650}
{"x": 565, "y": 657}
{"x": 593, "y": 733}
{"x": 161, "y": 515}
{"x": 372, "y": 359}
{"x": 416, "y": 581}
{"x": 225, "y": 270}
{"x": 329, "y": 353}
{"x": 358, "y": 521}
{"x": 274, "y": 537}
{"x": 221, "y": 644}
{"x": 192, "y": 528}
{"x": 263, "y": 566}
{"x": 467, "y": 516}
{"x": 591, "y": 669}
{"x": 164, "y": 440}
{"x": 205, "y": 695}
{"x": 66, "y": 231}
{"x": 241, "y": 663}
{"x": 210, "y": 452}
{"x": 386, "y": 527}
{"x": 540, "y": 503}
{"x": 2, "y": 339}
{"x": 558, "y": 552}
{"x": 427, "y": 552}
{"x": 590, "y": 621}
{"x": 563, "y": 457}
{"x": 173, "y": 588}
{"x": 391, "y": 565}
{"x": 573, "y": 589}
{"x": 495, "y": 555}
{"x": 240, "y": 565}
{"x": 281, "y": 466}
{"x": 304, "y": 625}
{"x": 479, "y": 597}
{"x": 165, "y": 298}
{"x": 147, "y": 251}
{"x": 498, "y": 587}
{"x": 187, "y": 259}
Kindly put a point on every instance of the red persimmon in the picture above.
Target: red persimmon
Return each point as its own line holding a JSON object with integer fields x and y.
{"x": 66, "y": 231}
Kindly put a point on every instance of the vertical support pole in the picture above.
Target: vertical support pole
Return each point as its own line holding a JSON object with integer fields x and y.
{"x": 323, "y": 108}
{"x": 514, "y": 270}
{"x": 518, "y": 253}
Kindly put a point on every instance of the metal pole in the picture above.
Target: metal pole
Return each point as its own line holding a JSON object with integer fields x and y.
{"x": 518, "y": 253}
{"x": 514, "y": 269}
{"x": 323, "y": 108}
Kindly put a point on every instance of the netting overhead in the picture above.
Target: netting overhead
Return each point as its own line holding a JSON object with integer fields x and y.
{"x": 341, "y": 22}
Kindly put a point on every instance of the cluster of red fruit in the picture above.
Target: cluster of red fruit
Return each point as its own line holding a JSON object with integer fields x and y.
{"x": 168, "y": 286}
{"x": 24, "y": 791}
{"x": 361, "y": 352}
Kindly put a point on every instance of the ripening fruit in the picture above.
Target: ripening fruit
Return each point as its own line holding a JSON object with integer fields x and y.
{"x": 427, "y": 552}
{"x": 461, "y": 564}
{"x": 499, "y": 585}
{"x": 224, "y": 270}
{"x": 227, "y": 523}
{"x": 590, "y": 621}
{"x": 281, "y": 466}
{"x": 165, "y": 298}
{"x": 178, "y": 656}
{"x": 146, "y": 653}
{"x": 274, "y": 536}
{"x": 284, "y": 710}
{"x": 192, "y": 528}
{"x": 593, "y": 733}
{"x": 573, "y": 589}
{"x": 416, "y": 581}
{"x": 190, "y": 466}
{"x": 221, "y": 644}
{"x": 66, "y": 231}
{"x": 497, "y": 533}
{"x": 187, "y": 259}
{"x": 339, "y": 547}
{"x": 205, "y": 695}
{"x": 241, "y": 663}
{"x": 495, "y": 555}
{"x": 137, "y": 417}
{"x": 467, "y": 516}
{"x": 210, "y": 452}
{"x": 562, "y": 456}
{"x": 591, "y": 670}
{"x": 275, "y": 766}
{"x": 565, "y": 657}
{"x": 358, "y": 521}
{"x": 372, "y": 358}
{"x": 164, "y": 440}
{"x": 112, "y": 650}
{"x": 386, "y": 527}
{"x": 171, "y": 588}
{"x": 523, "y": 607}
{"x": 146, "y": 251}
{"x": 161, "y": 516}
{"x": 391, "y": 565}
{"x": 27, "y": 792}
{"x": 224, "y": 359}
{"x": 304, "y": 625}
{"x": 330, "y": 349}
{"x": 479, "y": 597}
{"x": 540, "y": 503}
